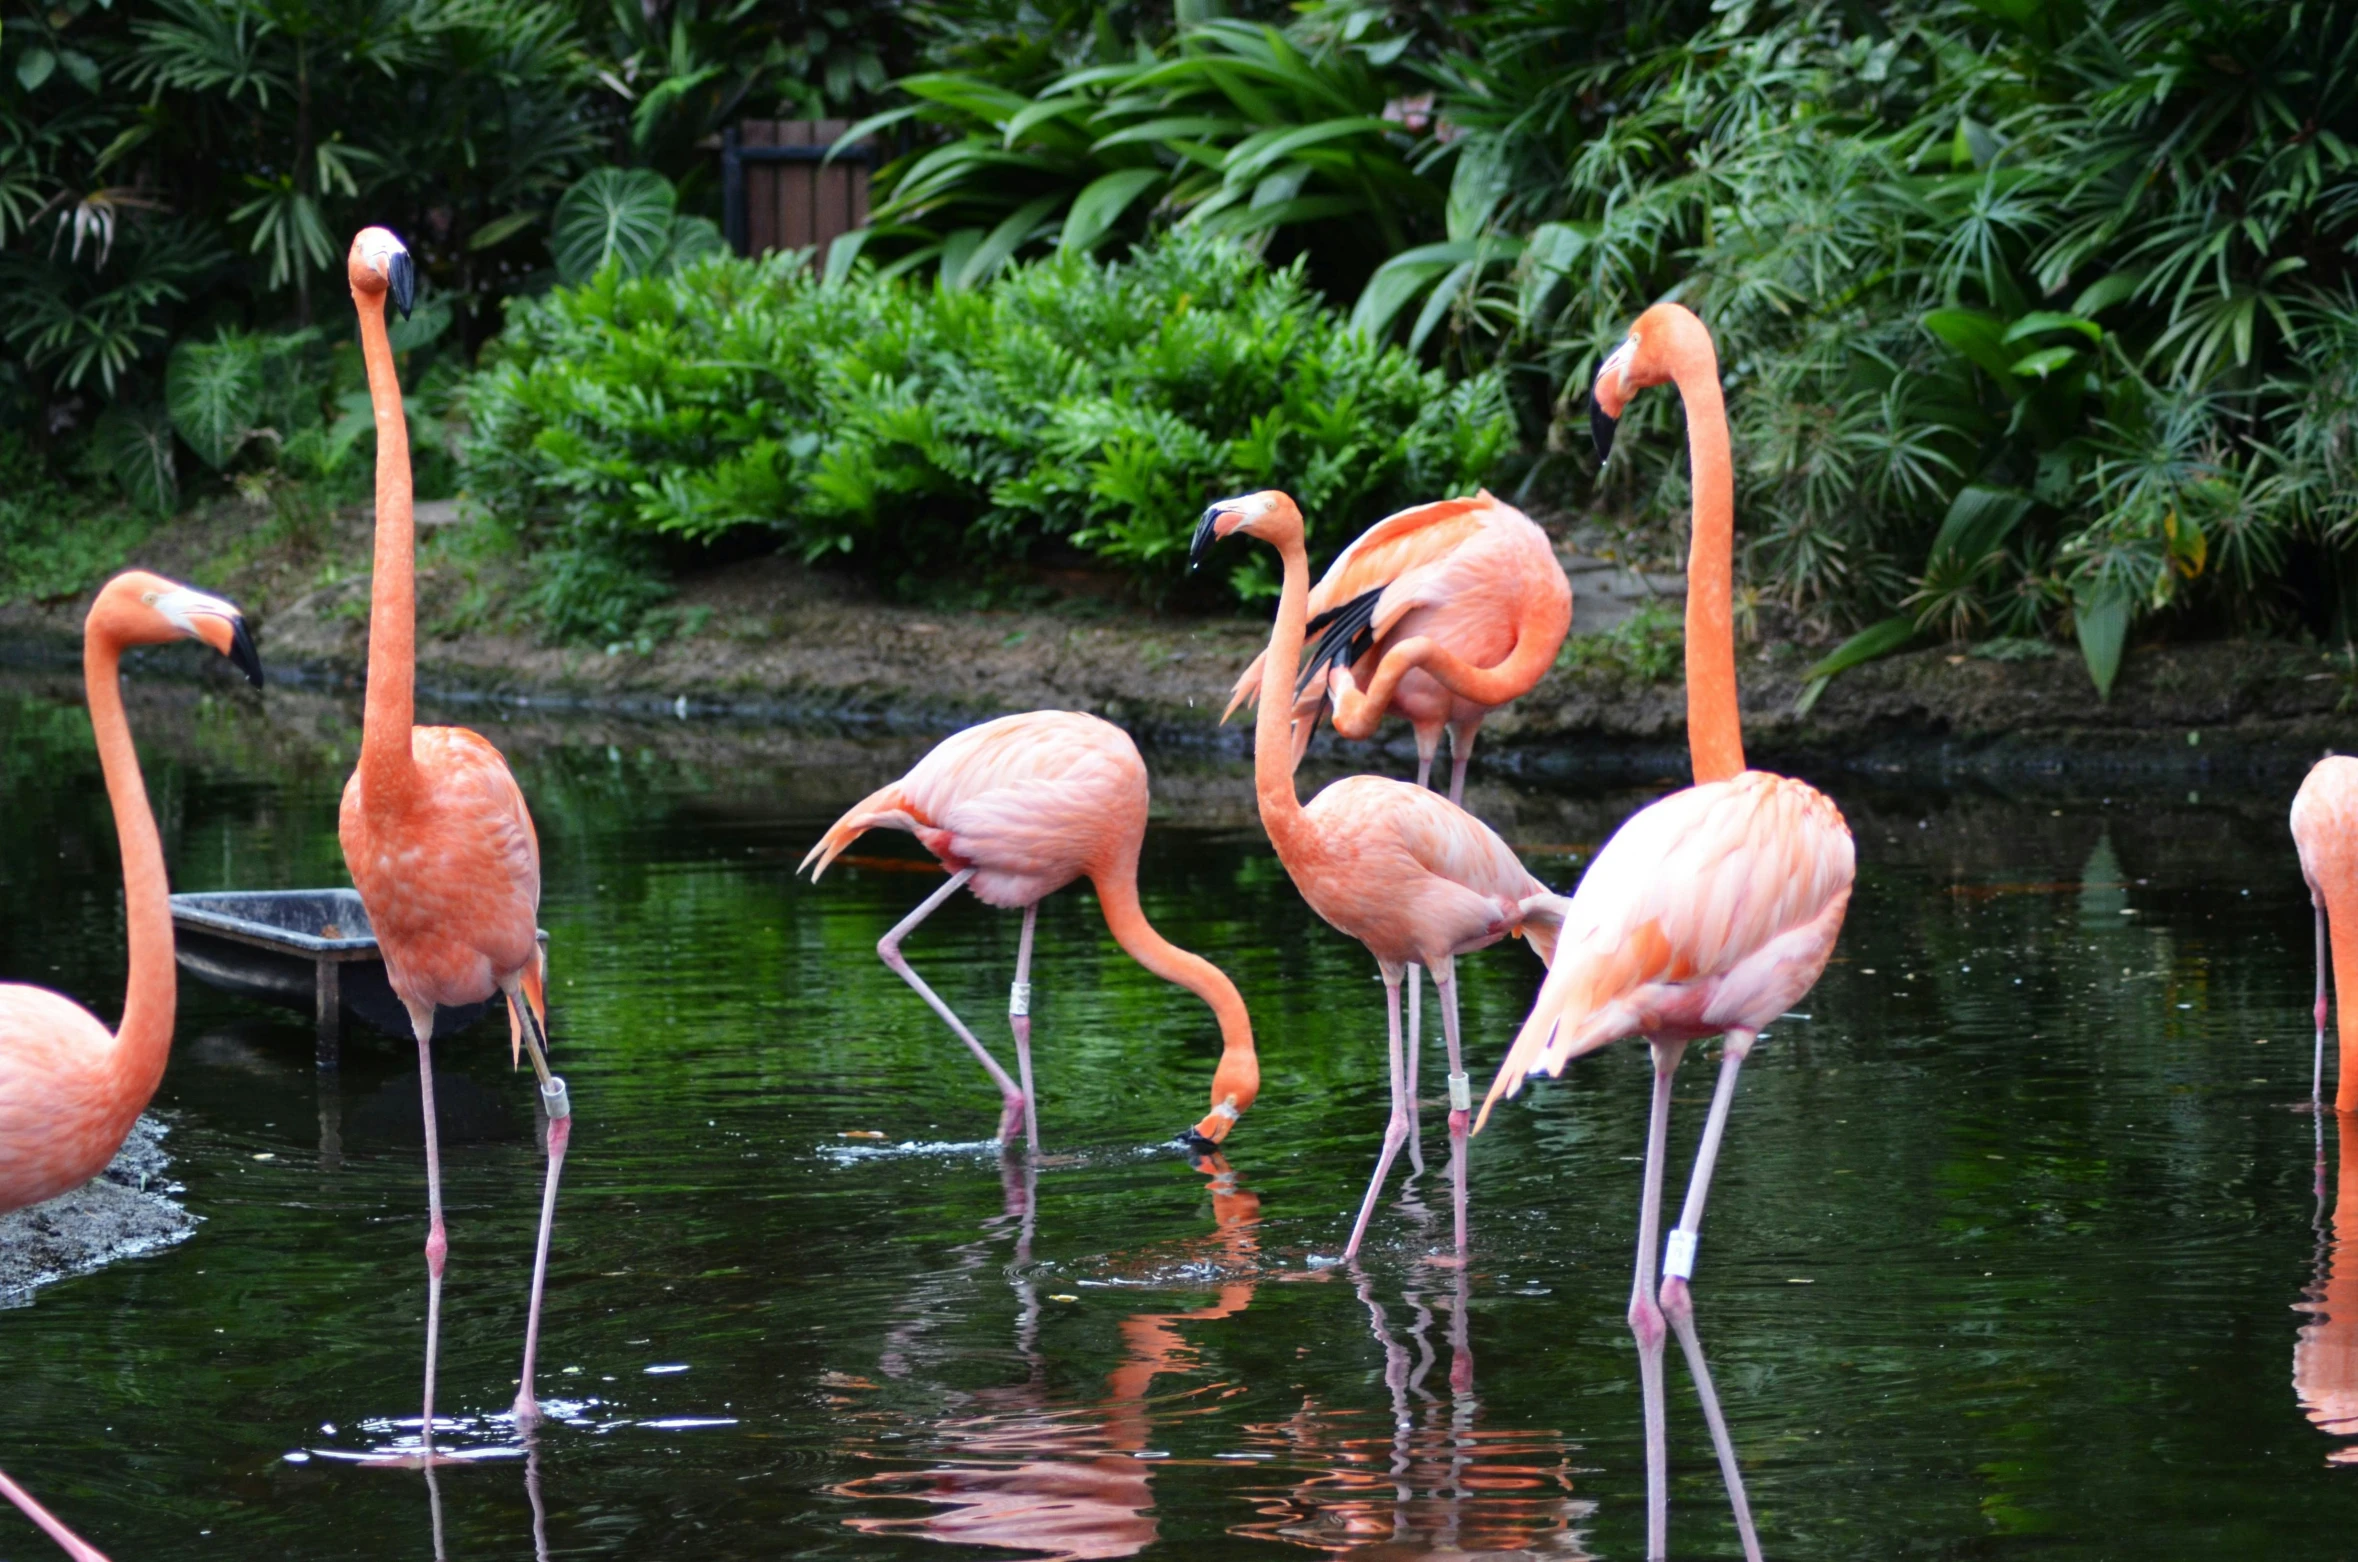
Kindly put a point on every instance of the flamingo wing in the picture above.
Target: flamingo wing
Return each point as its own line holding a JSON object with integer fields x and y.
{"x": 1393, "y": 547}
{"x": 1715, "y": 907}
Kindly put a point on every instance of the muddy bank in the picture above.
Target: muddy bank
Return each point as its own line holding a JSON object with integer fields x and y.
{"x": 767, "y": 642}
{"x": 125, "y": 1211}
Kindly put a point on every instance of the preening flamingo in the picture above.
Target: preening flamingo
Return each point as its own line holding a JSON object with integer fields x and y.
{"x": 2325, "y": 831}
{"x": 1445, "y": 612}
{"x": 1408, "y": 873}
{"x": 1711, "y": 911}
{"x": 70, "y": 1089}
{"x": 1016, "y": 809}
{"x": 435, "y": 831}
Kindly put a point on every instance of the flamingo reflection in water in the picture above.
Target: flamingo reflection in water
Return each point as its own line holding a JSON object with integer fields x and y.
{"x": 1437, "y": 1483}
{"x": 1032, "y": 1474}
{"x": 2325, "y": 1357}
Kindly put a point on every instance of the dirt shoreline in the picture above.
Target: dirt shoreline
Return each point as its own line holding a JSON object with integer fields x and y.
{"x": 778, "y": 645}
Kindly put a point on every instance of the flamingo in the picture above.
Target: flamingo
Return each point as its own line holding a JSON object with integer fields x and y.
{"x": 1018, "y": 808}
{"x": 2325, "y": 832}
{"x": 1411, "y": 875}
{"x": 70, "y": 1089}
{"x": 1711, "y": 911}
{"x": 1446, "y": 610}
{"x": 436, "y": 834}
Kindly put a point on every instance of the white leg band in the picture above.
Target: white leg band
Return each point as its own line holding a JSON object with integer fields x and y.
{"x": 554, "y": 1098}
{"x": 1019, "y": 998}
{"x": 1679, "y": 1260}
{"x": 1461, "y": 1093}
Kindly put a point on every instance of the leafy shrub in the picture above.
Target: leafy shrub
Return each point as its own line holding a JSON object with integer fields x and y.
{"x": 917, "y": 431}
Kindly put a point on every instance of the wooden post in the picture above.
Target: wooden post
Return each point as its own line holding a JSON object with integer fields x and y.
{"x": 781, "y": 191}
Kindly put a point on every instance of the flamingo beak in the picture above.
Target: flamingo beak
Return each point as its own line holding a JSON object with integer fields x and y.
{"x": 1601, "y": 425}
{"x": 242, "y": 654}
{"x": 1206, "y": 534}
{"x": 401, "y": 281}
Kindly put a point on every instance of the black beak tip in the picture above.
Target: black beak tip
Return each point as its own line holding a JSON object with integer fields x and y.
{"x": 1202, "y": 542}
{"x": 243, "y": 655}
{"x": 1197, "y": 1146}
{"x": 1601, "y": 425}
{"x": 401, "y": 282}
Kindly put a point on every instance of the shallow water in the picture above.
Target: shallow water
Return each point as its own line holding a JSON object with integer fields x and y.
{"x": 2015, "y": 1247}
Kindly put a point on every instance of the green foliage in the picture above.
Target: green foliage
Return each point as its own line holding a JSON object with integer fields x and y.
{"x": 627, "y": 215}
{"x": 916, "y": 432}
{"x": 2099, "y": 256}
{"x": 1229, "y": 128}
{"x": 55, "y": 542}
{"x": 1648, "y": 647}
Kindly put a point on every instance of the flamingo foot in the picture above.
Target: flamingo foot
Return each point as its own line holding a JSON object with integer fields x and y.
{"x": 1011, "y": 1121}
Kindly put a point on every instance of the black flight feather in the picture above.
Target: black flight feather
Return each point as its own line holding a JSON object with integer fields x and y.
{"x": 1345, "y": 634}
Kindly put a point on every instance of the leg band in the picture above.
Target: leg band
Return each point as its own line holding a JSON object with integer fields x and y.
{"x": 1679, "y": 1260}
{"x": 554, "y": 1098}
{"x": 1019, "y": 998}
{"x": 1461, "y": 1093}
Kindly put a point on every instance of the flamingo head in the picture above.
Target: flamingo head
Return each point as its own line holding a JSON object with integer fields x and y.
{"x": 1268, "y": 515}
{"x": 380, "y": 265}
{"x": 137, "y": 608}
{"x": 1645, "y": 357}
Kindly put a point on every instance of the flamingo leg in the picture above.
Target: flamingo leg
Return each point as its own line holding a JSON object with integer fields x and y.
{"x": 1461, "y": 753}
{"x": 1678, "y": 1302}
{"x": 1019, "y": 1020}
{"x": 559, "y": 1106}
{"x": 1645, "y": 1316}
{"x": 1461, "y": 1099}
{"x": 1416, "y": 1014}
{"x": 888, "y": 949}
{"x": 2317, "y": 1074}
{"x": 437, "y": 1239}
{"x": 1428, "y": 745}
{"x": 75, "y": 1546}
{"x": 1397, "y": 1129}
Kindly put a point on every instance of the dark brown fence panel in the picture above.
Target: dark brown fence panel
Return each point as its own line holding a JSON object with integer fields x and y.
{"x": 779, "y": 190}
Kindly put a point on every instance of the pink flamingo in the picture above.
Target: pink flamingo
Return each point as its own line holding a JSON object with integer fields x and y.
{"x": 2325, "y": 832}
{"x": 1445, "y": 611}
{"x": 70, "y": 1089}
{"x": 1414, "y": 877}
{"x": 436, "y": 834}
{"x": 1018, "y": 808}
{"x": 1709, "y": 912}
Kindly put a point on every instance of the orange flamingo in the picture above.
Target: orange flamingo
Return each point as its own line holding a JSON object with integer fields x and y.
{"x": 1445, "y": 611}
{"x": 70, "y": 1089}
{"x": 2325, "y": 831}
{"x": 1018, "y": 808}
{"x": 435, "y": 831}
{"x": 1709, "y": 912}
{"x": 1414, "y": 877}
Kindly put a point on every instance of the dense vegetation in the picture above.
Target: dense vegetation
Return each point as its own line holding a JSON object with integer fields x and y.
{"x": 2039, "y": 318}
{"x": 905, "y": 429}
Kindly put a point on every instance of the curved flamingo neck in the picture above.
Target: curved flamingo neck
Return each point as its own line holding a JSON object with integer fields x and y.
{"x": 385, "y": 764}
{"x": 1117, "y": 896}
{"x": 1273, "y": 738}
{"x": 144, "y": 1038}
{"x": 1715, "y": 729}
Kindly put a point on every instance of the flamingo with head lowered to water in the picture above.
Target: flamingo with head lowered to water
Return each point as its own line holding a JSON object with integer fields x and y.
{"x": 1016, "y": 809}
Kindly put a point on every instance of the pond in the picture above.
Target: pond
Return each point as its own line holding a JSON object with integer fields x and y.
{"x": 2023, "y": 1242}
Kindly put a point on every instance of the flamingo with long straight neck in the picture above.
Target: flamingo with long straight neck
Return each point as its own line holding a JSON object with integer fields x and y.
{"x": 1710, "y": 912}
{"x": 436, "y": 834}
{"x": 70, "y": 1089}
{"x": 1412, "y": 876}
{"x": 1016, "y": 809}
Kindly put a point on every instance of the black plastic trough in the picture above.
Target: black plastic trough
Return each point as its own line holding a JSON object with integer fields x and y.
{"x": 310, "y": 950}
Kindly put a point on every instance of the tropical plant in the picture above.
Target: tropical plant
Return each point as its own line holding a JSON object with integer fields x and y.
{"x": 1230, "y": 128}
{"x": 922, "y": 435}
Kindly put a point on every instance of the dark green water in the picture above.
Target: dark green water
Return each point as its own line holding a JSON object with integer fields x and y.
{"x": 2009, "y": 1253}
